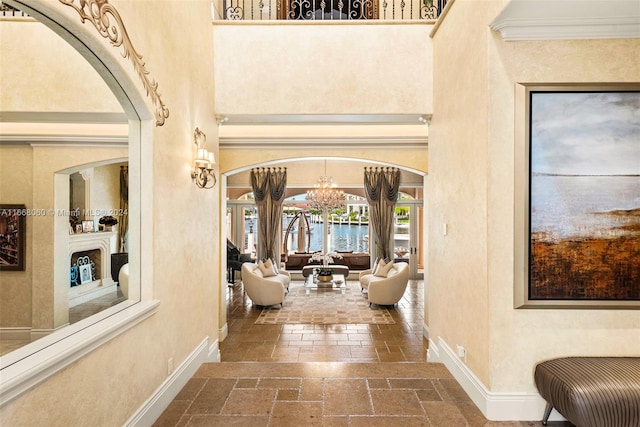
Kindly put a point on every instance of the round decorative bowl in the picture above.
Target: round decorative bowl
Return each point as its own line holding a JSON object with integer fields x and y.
{"x": 324, "y": 278}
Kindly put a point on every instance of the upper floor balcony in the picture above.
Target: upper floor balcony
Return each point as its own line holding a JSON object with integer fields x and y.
{"x": 326, "y": 10}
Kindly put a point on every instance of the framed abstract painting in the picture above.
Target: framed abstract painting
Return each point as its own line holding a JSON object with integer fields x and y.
{"x": 582, "y": 197}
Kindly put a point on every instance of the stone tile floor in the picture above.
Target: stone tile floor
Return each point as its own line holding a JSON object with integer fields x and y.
{"x": 325, "y": 375}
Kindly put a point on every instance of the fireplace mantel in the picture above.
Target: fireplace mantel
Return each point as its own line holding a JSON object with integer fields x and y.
{"x": 105, "y": 242}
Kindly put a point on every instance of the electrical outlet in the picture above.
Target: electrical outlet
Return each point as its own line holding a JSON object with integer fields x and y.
{"x": 462, "y": 352}
{"x": 170, "y": 366}
{"x": 445, "y": 229}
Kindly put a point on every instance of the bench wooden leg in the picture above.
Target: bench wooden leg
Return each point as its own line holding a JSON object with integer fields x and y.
{"x": 547, "y": 412}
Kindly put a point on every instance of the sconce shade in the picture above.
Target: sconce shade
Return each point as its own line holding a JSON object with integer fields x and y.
{"x": 202, "y": 173}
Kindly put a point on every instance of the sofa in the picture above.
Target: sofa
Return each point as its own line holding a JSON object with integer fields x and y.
{"x": 352, "y": 260}
{"x": 264, "y": 291}
{"x": 385, "y": 289}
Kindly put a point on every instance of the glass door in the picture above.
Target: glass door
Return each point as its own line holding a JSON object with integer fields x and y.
{"x": 242, "y": 225}
{"x": 408, "y": 236}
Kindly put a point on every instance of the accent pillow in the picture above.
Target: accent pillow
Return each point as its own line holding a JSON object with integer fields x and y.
{"x": 375, "y": 265}
{"x": 383, "y": 269}
{"x": 257, "y": 271}
{"x": 379, "y": 263}
{"x": 266, "y": 270}
{"x": 273, "y": 265}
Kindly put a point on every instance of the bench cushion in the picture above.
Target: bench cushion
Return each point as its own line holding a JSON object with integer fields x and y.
{"x": 592, "y": 391}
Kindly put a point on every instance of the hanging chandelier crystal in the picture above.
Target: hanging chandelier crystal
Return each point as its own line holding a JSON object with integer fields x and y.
{"x": 324, "y": 196}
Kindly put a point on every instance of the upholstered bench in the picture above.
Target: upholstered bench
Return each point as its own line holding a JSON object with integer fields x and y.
{"x": 592, "y": 391}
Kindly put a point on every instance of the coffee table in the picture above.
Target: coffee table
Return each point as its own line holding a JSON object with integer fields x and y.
{"x": 338, "y": 283}
{"x": 307, "y": 270}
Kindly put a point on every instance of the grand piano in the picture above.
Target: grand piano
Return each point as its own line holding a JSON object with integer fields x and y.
{"x": 235, "y": 259}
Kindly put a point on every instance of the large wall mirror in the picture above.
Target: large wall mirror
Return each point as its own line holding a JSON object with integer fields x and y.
{"x": 65, "y": 155}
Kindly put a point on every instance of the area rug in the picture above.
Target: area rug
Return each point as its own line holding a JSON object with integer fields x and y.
{"x": 325, "y": 307}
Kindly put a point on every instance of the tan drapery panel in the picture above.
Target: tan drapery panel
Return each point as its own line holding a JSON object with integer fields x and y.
{"x": 269, "y": 185}
{"x": 381, "y": 187}
{"x": 123, "y": 219}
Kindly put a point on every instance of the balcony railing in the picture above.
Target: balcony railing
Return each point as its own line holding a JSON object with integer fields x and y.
{"x": 327, "y": 10}
{"x": 7, "y": 11}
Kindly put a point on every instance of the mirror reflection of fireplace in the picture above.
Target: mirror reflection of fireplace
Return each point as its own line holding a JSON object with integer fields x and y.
{"x": 94, "y": 249}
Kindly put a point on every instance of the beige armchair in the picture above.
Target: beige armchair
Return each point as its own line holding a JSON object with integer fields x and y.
{"x": 386, "y": 290}
{"x": 262, "y": 290}
{"x": 123, "y": 280}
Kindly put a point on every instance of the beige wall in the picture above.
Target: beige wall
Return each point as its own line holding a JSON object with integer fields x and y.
{"x": 339, "y": 68}
{"x": 16, "y": 182}
{"x": 105, "y": 189}
{"x": 457, "y": 287}
{"x": 109, "y": 384}
{"x": 70, "y": 84}
{"x": 303, "y": 172}
{"x": 471, "y": 184}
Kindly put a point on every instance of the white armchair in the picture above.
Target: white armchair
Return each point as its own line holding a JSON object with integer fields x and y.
{"x": 262, "y": 290}
{"x": 123, "y": 280}
{"x": 386, "y": 290}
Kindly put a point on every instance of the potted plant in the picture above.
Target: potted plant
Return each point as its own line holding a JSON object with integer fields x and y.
{"x": 108, "y": 222}
{"x": 324, "y": 273}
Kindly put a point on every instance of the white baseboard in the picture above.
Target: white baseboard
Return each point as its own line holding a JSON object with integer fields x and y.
{"x": 494, "y": 406}
{"x": 153, "y": 407}
{"x": 433, "y": 353}
{"x": 223, "y": 332}
{"x": 214, "y": 353}
{"x": 23, "y": 334}
{"x": 36, "y": 334}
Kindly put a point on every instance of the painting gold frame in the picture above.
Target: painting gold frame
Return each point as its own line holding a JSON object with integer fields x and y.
{"x": 523, "y": 165}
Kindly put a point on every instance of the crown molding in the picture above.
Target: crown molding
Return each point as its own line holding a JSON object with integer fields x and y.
{"x": 64, "y": 130}
{"x": 325, "y": 142}
{"x": 580, "y": 19}
{"x": 62, "y": 117}
{"x": 65, "y": 141}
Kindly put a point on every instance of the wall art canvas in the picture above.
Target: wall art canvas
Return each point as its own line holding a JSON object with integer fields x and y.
{"x": 584, "y": 197}
{"x": 12, "y": 237}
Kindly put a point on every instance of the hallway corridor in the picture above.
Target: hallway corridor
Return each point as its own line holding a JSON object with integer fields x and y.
{"x": 325, "y": 375}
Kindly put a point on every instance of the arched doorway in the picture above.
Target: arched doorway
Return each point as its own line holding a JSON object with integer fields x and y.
{"x": 302, "y": 175}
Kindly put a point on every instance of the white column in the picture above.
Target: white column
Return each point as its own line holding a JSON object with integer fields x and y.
{"x": 325, "y": 238}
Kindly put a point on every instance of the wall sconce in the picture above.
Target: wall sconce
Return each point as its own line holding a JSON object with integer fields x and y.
{"x": 202, "y": 172}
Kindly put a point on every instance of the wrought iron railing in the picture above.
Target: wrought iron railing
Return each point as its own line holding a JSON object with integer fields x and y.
{"x": 327, "y": 10}
{"x": 8, "y": 11}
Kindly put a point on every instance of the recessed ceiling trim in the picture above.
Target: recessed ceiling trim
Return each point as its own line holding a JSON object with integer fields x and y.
{"x": 65, "y": 141}
{"x": 64, "y": 117}
{"x": 360, "y": 142}
{"x": 325, "y": 119}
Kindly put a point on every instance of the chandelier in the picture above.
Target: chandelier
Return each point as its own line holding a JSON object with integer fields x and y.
{"x": 324, "y": 196}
